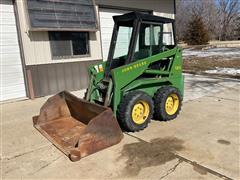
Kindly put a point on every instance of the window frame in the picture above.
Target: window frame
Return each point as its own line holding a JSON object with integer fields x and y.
{"x": 117, "y": 40}
{"x": 151, "y": 36}
{"x": 66, "y": 57}
{"x": 171, "y": 37}
{"x": 35, "y": 8}
{"x": 160, "y": 24}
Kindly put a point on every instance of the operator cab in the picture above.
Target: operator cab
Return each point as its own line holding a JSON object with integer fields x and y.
{"x": 137, "y": 36}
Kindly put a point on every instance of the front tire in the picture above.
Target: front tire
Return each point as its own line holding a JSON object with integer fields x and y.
{"x": 167, "y": 103}
{"x": 135, "y": 111}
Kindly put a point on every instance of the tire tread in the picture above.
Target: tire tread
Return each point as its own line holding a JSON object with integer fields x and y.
{"x": 125, "y": 107}
{"x": 159, "y": 103}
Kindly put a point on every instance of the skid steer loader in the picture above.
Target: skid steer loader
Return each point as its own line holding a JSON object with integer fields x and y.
{"x": 141, "y": 79}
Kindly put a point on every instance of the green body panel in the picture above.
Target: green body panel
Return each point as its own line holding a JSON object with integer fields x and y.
{"x": 125, "y": 78}
{"x": 98, "y": 75}
{"x": 94, "y": 78}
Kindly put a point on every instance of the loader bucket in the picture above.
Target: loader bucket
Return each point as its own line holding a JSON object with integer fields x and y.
{"x": 77, "y": 127}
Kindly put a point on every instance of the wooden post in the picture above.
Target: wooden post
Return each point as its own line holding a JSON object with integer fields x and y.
{"x": 30, "y": 84}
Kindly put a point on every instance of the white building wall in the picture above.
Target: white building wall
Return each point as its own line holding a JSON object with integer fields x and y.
{"x": 12, "y": 83}
{"x": 37, "y": 46}
{"x": 163, "y": 8}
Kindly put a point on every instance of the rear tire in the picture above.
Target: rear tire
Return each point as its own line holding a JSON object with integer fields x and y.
{"x": 135, "y": 111}
{"x": 167, "y": 103}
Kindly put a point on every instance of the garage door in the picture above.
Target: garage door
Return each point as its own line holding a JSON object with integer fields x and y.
{"x": 107, "y": 23}
{"x": 12, "y": 80}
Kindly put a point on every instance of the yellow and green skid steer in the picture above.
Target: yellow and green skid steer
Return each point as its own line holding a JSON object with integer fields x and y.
{"x": 140, "y": 80}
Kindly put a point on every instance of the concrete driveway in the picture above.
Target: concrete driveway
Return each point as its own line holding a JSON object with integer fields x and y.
{"x": 202, "y": 143}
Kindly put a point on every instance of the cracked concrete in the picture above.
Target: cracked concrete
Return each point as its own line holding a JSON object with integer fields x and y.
{"x": 202, "y": 143}
{"x": 170, "y": 171}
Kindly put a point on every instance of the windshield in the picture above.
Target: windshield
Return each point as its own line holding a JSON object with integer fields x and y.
{"x": 123, "y": 41}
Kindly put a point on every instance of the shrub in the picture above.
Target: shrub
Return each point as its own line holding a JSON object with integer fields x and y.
{"x": 196, "y": 33}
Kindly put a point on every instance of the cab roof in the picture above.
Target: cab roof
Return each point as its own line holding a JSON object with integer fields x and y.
{"x": 142, "y": 17}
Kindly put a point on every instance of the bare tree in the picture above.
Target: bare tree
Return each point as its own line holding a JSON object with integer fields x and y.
{"x": 219, "y": 17}
{"x": 237, "y": 28}
{"x": 210, "y": 17}
{"x": 182, "y": 18}
{"x": 203, "y": 8}
{"x": 228, "y": 11}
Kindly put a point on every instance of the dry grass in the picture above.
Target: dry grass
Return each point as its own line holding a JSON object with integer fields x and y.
{"x": 201, "y": 64}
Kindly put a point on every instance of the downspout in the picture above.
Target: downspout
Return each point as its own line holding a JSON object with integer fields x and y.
{"x": 174, "y": 24}
{"x": 29, "y": 90}
{"x": 174, "y": 8}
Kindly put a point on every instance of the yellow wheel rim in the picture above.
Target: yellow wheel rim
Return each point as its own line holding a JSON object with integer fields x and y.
{"x": 172, "y": 104}
{"x": 140, "y": 112}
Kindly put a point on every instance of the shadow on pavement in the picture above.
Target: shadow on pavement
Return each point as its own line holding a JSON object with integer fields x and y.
{"x": 147, "y": 154}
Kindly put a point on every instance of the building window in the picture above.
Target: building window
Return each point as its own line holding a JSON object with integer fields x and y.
{"x": 69, "y": 44}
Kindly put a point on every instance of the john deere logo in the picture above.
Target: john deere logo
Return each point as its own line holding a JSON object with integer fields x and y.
{"x": 135, "y": 66}
{"x": 177, "y": 68}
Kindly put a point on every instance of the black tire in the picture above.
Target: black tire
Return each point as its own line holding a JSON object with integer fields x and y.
{"x": 160, "y": 99}
{"x": 125, "y": 109}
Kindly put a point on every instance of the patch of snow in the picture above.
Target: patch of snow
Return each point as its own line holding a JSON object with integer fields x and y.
{"x": 229, "y": 71}
{"x": 222, "y": 52}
